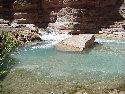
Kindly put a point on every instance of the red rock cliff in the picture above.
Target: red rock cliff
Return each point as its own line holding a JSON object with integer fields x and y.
{"x": 91, "y": 15}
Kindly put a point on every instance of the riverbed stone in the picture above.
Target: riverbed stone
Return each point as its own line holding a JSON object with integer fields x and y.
{"x": 122, "y": 92}
{"x": 76, "y": 42}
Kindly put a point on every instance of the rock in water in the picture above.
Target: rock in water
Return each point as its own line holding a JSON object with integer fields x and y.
{"x": 76, "y": 42}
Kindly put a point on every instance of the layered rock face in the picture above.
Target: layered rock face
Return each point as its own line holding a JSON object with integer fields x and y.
{"x": 28, "y": 12}
{"x": 89, "y": 15}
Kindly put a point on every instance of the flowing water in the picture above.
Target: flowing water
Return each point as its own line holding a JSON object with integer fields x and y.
{"x": 41, "y": 69}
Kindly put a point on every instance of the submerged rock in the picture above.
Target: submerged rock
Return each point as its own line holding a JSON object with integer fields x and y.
{"x": 76, "y": 42}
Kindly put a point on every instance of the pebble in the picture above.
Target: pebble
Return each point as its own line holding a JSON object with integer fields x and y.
{"x": 122, "y": 92}
{"x": 52, "y": 92}
{"x": 81, "y": 93}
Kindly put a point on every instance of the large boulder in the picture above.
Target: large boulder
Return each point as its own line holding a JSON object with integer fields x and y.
{"x": 76, "y": 42}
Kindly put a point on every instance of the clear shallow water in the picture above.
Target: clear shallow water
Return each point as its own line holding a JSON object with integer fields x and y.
{"x": 103, "y": 62}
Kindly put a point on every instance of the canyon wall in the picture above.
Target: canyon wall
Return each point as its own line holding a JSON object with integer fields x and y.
{"x": 91, "y": 14}
{"x": 5, "y": 9}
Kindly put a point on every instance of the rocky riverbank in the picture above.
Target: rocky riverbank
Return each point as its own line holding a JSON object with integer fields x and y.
{"x": 23, "y": 37}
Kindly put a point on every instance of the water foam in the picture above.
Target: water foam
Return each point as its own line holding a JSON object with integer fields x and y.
{"x": 51, "y": 40}
{"x": 45, "y": 46}
{"x": 109, "y": 41}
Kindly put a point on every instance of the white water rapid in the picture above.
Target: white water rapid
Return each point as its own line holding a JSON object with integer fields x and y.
{"x": 51, "y": 38}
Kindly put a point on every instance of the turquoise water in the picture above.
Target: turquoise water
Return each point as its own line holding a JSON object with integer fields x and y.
{"x": 103, "y": 62}
{"x": 42, "y": 69}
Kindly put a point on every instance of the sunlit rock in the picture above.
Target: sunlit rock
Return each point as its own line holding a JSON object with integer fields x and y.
{"x": 76, "y": 42}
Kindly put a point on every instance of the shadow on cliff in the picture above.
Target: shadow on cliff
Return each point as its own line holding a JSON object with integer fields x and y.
{"x": 106, "y": 16}
{"x": 6, "y": 12}
{"x": 112, "y": 14}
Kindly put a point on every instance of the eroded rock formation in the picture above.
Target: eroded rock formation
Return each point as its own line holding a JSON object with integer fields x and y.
{"x": 91, "y": 14}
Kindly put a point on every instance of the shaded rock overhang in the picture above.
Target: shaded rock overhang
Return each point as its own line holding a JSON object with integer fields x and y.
{"x": 93, "y": 14}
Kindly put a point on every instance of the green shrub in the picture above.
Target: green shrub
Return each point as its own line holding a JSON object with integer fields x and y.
{"x": 6, "y": 45}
